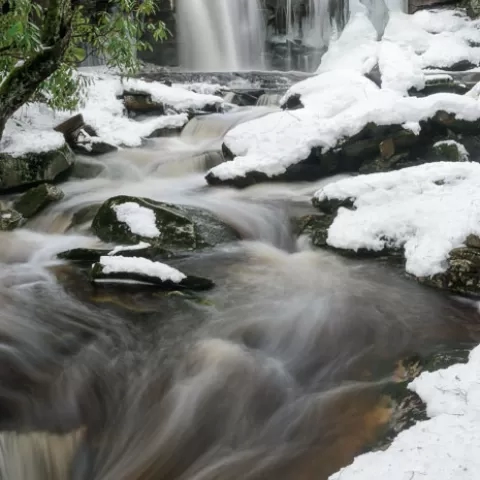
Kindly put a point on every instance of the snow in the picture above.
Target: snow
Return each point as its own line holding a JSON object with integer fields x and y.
{"x": 463, "y": 153}
{"x": 177, "y": 98}
{"x": 140, "y": 220}
{"x": 272, "y": 143}
{"x": 427, "y": 210}
{"x": 18, "y": 140}
{"x": 142, "y": 266}
{"x": 339, "y": 101}
{"x": 30, "y": 128}
{"x": 444, "y": 447}
{"x": 355, "y": 49}
{"x": 123, "y": 248}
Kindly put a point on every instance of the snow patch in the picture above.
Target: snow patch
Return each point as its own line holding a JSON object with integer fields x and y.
{"x": 443, "y": 448}
{"x": 140, "y": 220}
{"x": 123, "y": 248}
{"x": 142, "y": 266}
{"x": 427, "y": 210}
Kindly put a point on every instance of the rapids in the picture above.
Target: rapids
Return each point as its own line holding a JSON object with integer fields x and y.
{"x": 281, "y": 372}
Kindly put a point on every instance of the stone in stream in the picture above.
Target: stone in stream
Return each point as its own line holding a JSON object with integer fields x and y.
{"x": 83, "y": 138}
{"x": 114, "y": 269}
{"x": 127, "y": 220}
{"x": 10, "y": 219}
{"x": 24, "y": 171}
{"x": 37, "y": 198}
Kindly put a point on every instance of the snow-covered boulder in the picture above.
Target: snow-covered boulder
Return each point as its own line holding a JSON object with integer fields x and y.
{"x": 129, "y": 220}
{"x": 430, "y": 214}
{"x": 20, "y": 170}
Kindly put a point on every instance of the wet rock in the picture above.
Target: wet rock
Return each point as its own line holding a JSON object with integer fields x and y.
{"x": 22, "y": 172}
{"x": 84, "y": 215}
{"x": 440, "y": 84}
{"x": 179, "y": 227}
{"x": 37, "y": 198}
{"x": 10, "y": 219}
{"x": 293, "y": 102}
{"x": 331, "y": 205}
{"x": 463, "y": 271}
{"x": 82, "y": 255}
{"x": 244, "y": 97}
{"x": 165, "y": 132}
{"x": 315, "y": 227}
{"x": 189, "y": 283}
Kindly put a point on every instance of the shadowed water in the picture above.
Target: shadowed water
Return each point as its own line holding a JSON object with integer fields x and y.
{"x": 280, "y": 372}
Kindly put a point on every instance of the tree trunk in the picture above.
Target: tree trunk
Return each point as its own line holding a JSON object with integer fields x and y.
{"x": 23, "y": 81}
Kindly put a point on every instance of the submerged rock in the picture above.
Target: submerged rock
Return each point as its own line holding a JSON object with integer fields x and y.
{"x": 37, "y": 198}
{"x": 129, "y": 220}
{"x": 10, "y": 219}
{"x": 34, "y": 168}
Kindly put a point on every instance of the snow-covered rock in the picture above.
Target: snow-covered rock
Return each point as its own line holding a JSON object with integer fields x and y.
{"x": 443, "y": 448}
{"x": 138, "y": 270}
{"x": 425, "y": 211}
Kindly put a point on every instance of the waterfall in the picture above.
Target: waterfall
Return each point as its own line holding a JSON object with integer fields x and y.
{"x": 221, "y": 35}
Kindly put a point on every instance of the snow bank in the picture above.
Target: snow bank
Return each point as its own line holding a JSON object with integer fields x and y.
{"x": 142, "y": 266}
{"x": 272, "y": 143}
{"x": 443, "y": 448}
{"x": 140, "y": 220}
{"x": 30, "y": 129}
{"x": 428, "y": 210}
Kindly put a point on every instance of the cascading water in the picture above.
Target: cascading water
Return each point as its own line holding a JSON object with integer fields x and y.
{"x": 221, "y": 35}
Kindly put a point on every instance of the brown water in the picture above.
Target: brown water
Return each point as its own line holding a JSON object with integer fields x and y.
{"x": 280, "y": 372}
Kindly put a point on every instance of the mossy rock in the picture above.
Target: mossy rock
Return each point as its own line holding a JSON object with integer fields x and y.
{"x": 180, "y": 227}
{"x": 19, "y": 173}
{"x": 37, "y": 198}
{"x": 315, "y": 227}
{"x": 462, "y": 274}
{"x": 10, "y": 219}
{"x": 450, "y": 150}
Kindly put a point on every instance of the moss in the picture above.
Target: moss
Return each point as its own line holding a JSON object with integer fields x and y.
{"x": 10, "y": 219}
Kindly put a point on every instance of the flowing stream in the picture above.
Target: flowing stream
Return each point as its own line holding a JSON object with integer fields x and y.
{"x": 281, "y": 372}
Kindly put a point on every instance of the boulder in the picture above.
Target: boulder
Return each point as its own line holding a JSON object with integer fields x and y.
{"x": 174, "y": 228}
{"x": 21, "y": 172}
{"x": 36, "y": 199}
{"x": 244, "y": 97}
{"x": 10, "y": 219}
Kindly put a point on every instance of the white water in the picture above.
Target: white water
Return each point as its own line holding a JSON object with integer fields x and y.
{"x": 220, "y": 35}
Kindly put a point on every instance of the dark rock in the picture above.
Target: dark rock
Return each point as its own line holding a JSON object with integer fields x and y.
{"x": 84, "y": 215}
{"x": 227, "y": 153}
{"x": 20, "y": 173}
{"x": 71, "y": 125}
{"x": 10, "y": 219}
{"x": 165, "y": 132}
{"x": 181, "y": 227}
{"x": 375, "y": 75}
{"x": 315, "y": 227}
{"x": 37, "y": 198}
{"x": 331, "y": 205}
{"x": 293, "y": 102}
{"x": 462, "y": 274}
{"x": 449, "y": 151}
{"x": 82, "y": 255}
{"x": 449, "y": 121}
{"x": 473, "y": 241}
{"x": 189, "y": 283}
{"x": 141, "y": 103}
{"x": 244, "y": 97}
{"x": 83, "y": 138}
